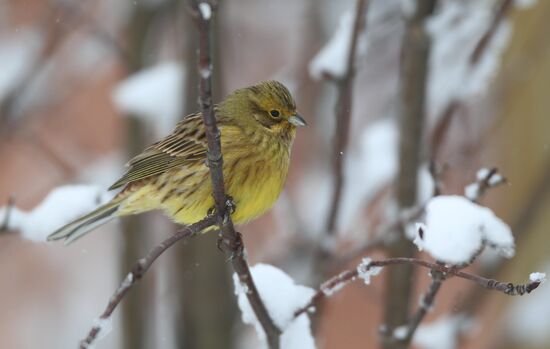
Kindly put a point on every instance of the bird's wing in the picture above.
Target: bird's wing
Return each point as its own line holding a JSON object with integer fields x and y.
{"x": 185, "y": 145}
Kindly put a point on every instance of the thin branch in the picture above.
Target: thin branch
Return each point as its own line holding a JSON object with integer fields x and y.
{"x": 502, "y": 10}
{"x": 201, "y": 12}
{"x": 140, "y": 269}
{"x": 5, "y": 226}
{"x": 343, "y": 115}
{"x": 348, "y": 276}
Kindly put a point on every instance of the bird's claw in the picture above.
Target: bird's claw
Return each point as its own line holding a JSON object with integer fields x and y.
{"x": 230, "y": 208}
{"x": 230, "y": 205}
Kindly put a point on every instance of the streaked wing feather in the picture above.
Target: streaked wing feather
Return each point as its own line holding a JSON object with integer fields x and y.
{"x": 185, "y": 145}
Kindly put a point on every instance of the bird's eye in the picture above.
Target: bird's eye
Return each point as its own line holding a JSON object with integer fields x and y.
{"x": 275, "y": 113}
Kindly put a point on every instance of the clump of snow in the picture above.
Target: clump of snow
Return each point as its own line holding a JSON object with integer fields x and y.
{"x": 105, "y": 326}
{"x": 484, "y": 177}
{"x": 155, "y": 94}
{"x": 365, "y": 271}
{"x": 17, "y": 54}
{"x": 527, "y": 317}
{"x": 456, "y": 230}
{"x": 400, "y": 332}
{"x": 369, "y": 168}
{"x": 456, "y": 30}
{"x": 537, "y": 277}
{"x": 524, "y": 4}
{"x": 471, "y": 191}
{"x": 60, "y": 206}
{"x": 441, "y": 334}
{"x": 332, "y": 59}
{"x": 205, "y": 10}
{"x": 282, "y": 297}
{"x": 482, "y": 173}
{"x": 127, "y": 280}
{"x": 330, "y": 288}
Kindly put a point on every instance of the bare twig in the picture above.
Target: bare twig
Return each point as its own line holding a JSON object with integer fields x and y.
{"x": 343, "y": 115}
{"x": 140, "y": 269}
{"x": 484, "y": 181}
{"x": 348, "y": 276}
{"x": 201, "y": 12}
{"x": 5, "y": 226}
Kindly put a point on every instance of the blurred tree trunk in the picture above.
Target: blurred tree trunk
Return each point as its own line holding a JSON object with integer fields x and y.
{"x": 414, "y": 69}
{"x": 206, "y": 314}
{"x": 137, "y": 307}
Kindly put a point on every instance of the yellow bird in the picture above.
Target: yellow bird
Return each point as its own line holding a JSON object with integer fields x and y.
{"x": 257, "y": 124}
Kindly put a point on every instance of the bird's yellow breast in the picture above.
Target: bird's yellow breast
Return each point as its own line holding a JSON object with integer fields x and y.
{"x": 254, "y": 174}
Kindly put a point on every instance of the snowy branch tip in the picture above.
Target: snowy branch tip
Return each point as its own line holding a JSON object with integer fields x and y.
{"x": 205, "y": 10}
{"x": 457, "y": 229}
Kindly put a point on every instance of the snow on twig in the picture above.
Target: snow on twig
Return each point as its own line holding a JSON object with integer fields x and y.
{"x": 282, "y": 297}
{"x": 456, "y": 229}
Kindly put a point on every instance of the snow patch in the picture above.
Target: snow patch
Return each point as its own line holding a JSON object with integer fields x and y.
{"x": 456, "y": 29}
{"x": 17, "y": 54}
{"x": 62, "y": 205}
{"x": 282, "y": 297}
{"x": 456, "y": 230}
{"x": 332, "y": 59}
{"x": 537, "y": 277}
{"x": 205, "y": 10}
{"x": 365, "y": 271}
{"x": 443, "y": 333}
{"x": 154, "y": 94}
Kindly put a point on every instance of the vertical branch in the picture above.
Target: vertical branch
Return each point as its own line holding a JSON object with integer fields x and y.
{"x": 202, "y": 12}
{"x": 343, "y": 116}
{"x": 414, "y": 69}
{"x": 202, "y": 274}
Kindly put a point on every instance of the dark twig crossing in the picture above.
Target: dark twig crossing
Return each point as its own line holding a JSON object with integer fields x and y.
{"x": 351, "y": 275}
{"x": 343, "y": 115}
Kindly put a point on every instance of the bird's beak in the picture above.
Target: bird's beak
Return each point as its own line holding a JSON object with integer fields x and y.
{"x": 297, "y": 120}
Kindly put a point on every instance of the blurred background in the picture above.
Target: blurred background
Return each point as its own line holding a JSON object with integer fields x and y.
{"x": 85, "y": 85}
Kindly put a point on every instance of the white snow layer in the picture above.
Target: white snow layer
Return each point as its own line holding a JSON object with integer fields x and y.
{"x": 537, "y": 277}
{"x": 441, "y": 334}
{"x": 60, "y": 206}
{"x": 206, "y": 10}
{"x": 282, "y": 297}
{"x": 17, "y": 53}
{"x": 365, "y": 273}
{"x": 105, "y": 326}
{"x": 527, "y": 317}
{"x": 332, "y": 59}
{"x": 368, "y": 169}
{"x": 456, "y": 229}
{"x": 456, "y": 30}
{"x": 154, "y": 94}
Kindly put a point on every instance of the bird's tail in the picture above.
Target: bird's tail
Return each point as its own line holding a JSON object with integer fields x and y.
{"x": 78, "y": 228}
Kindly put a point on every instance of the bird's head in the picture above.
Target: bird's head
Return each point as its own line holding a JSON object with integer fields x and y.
{"x": 267, "y": 105}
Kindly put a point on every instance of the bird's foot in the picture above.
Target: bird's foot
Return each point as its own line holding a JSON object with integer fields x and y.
{"x": 230, "y": 208}
{"x": 230, "y": 205}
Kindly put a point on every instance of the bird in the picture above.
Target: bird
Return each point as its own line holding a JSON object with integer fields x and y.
{"x": 257, "y": 127}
